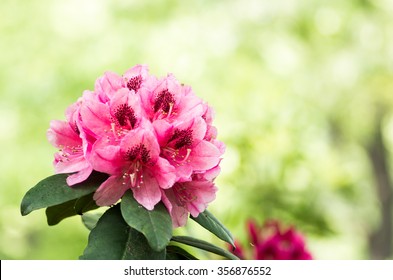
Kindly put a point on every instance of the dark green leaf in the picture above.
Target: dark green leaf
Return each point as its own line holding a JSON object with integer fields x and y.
{"x": 156, "y": 225}
{"x": 113, "y": 239}
{"x": 54, "y": 190}
{"x": 177, "y": 253}
{"x": 201, "y": 244}
{"x": 209, "y": 222}
{"x": 90, "y": 219}
{"x": 85, "y": 204}
{"x": 57, "y": 213}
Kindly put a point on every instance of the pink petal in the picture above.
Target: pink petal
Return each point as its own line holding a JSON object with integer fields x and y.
{"x": 95, "y": 117}
{"x": 147, "y": 95}
{"x": 165, "y": 200}
{"x": 75, "y": 164}
{"x": 110, "y": 191}
{"x": 204, "y": 192}
{"x": 163, "y": 131}
{"x": 164, "y": 173}
{"x": 183, "y": 172}
{"x": 199, "y": 128}
{"x": 208, "y": 114}
{"x": 178, "y": 213}
{"x": 72, "y": 112}
{"x": 80, "y": 176}
{"x": 108, "y": 84}
{"x": 60, "y": 134}
{"x": 208, "y": 175}
{"x": 190, "y": 105}
{"x": 220, "y": 146}
{"x": 149, "y": 193}
{"x": 204, "y": 156}
{"x": 211, "y": 133}
{"x": 106, "y": 158}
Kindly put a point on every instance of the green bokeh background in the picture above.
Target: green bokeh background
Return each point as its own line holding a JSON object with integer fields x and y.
{"x": 299, "y": 89}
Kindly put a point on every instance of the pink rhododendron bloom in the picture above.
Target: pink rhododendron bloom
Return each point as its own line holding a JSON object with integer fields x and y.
{"x": 134, "y": 164}
{"x": 72, "y": 154}
{"x": 134, "y": 79}
{"x": 274, "y": 242}
{"x": 138, "y": 78}
{"x": 169, "y": 100}
{"x": 188, "y": 197}
{"x": 151, "y": 135}
{"x": 113, "y": 119}
{"x": 184, "y": 146}
{"x": 107, "y": 85}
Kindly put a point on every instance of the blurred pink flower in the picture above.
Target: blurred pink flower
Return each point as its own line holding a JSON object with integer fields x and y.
{"x": 273, "y": 242}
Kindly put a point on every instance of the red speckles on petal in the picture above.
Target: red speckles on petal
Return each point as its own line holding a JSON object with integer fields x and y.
{"x": 182, "y": 138}
{"x": 138, "y": 153}
{"x": 164, "y": 101}
{"x": 134, "y": 83}
{"x": 125, "y": 115}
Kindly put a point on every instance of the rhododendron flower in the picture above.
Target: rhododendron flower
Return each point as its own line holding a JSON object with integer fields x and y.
{"x": 73, "y": 147}
{"x": 169, "y": 100}
{"x": 184, "y": 146}
{"x": 134, "y": 164}
{"x": 273, "y": 241}
{"x": 113, "y": 119}
{"x": 110, "y": 82}
{"x": 188, "y": 197}
{"x": 151, "y": 135}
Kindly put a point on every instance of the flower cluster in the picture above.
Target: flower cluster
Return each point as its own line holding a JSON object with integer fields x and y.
{"x": 274, "y": 242}
{"x": 151, "y": 135}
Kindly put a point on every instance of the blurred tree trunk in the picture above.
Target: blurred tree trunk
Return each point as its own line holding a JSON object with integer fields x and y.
{"x": 380, "y": 241}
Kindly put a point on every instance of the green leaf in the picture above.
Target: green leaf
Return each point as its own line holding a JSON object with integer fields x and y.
{"x": 178, "y": 253}
{"x": 90, "y": 219}
{"x": 155, "y": 225}
{"x": 54, "y": 190}
{"x": 57, "y": 213}
{"x": 85, "y": 204}
{"x": 209, "y": 222}
{"x": 113, "y": 239}
{"x": 201, "y": 244}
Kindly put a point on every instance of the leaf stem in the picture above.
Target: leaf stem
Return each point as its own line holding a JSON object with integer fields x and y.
{"x": 201, "y": 244}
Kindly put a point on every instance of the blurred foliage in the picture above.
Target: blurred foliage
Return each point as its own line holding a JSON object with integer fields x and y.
{"x": 297, "y": 87}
